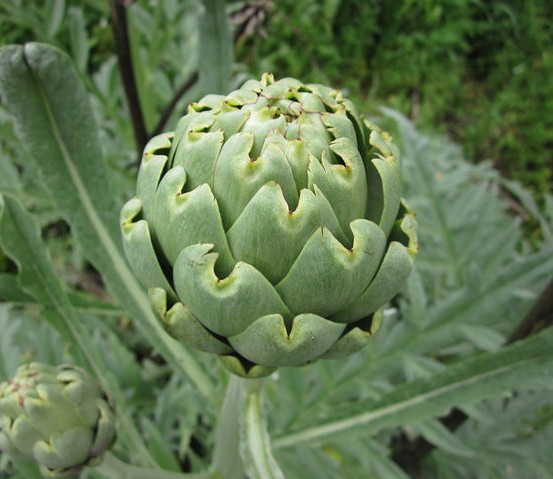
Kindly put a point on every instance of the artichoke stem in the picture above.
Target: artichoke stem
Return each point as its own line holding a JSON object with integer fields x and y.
{"x": 255, "y": 440}
{"x": 227, "y": 461}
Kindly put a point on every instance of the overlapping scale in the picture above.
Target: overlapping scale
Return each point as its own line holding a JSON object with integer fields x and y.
{"x": 344, "y": 184}
{"x": 238, "y": 176}
{"x": 182, "y": 325}
{"x": 151, "y": 170}
{"x": 326, "y": 276}
{"x": 139, "y": 248}
{"x": 270, "y": 226}
{"x": 269, "y": 236}
{"x": 268, "y": 341}
{"x": 228, "y": 305}
{"x": 394, "y": 270}
{"x": 184, "y": 219}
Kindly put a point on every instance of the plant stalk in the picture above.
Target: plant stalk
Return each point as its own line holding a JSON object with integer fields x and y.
{"x": 227, "y": 461}
{"x": 243, "y": 446}
{"x": 256, "y": 442}
{"x": 124, "y": 59}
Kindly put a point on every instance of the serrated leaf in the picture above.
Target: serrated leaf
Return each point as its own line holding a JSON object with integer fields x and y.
{"x": 159, "y": 447}
{"x": 381, "y": 464}
{"x": 511, "y": 437}
{"x": 20, "y": 239}
{"x": 524, "y": 365}
{"x": 439, "y": 435}
{"x": 417, "y": 366}
{"x": 54, "y": 121}
{"x": 483, "y": 337}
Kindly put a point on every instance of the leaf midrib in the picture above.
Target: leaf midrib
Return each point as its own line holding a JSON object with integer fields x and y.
{"x": 356, "y": 421}
{"x": 128, "y": 281}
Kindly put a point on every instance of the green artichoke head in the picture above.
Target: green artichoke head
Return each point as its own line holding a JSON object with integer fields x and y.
{"x": 56, "y": 415}
{"x": 269, "y": 227}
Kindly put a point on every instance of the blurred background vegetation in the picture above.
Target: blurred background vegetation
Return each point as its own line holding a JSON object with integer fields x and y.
{"x": 479, "y": 71}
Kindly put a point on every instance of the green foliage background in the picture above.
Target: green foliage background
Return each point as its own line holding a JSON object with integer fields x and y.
{"x": 476, "y": 70}
{"x": 472, "y": 69}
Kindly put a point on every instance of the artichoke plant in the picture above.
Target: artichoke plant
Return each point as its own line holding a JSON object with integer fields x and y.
{"x": 269, "y": 228}
{"x": 56, "y": 415}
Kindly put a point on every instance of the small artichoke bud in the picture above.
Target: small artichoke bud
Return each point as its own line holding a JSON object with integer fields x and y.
{"x": 57, "y": 416}
{"x": 269, "y": 227}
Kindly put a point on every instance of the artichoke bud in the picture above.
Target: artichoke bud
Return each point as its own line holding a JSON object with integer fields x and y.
{"x": 57, "y": 416}
{"x": 269, "y": 227}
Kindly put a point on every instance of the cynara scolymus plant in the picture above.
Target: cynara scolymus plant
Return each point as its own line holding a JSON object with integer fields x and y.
{"x": 56, "y": 415}
{"x": 269, "y": 227}
{"x": 195, "y": 239}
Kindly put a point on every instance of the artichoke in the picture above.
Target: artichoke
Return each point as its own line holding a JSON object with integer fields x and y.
{"x": 56, "y": 415}
{"x": 269, "y": 228}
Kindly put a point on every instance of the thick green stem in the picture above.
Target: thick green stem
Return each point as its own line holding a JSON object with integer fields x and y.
{"x": 114, "y": 468}
{"x": 243, "y": 446}
{"x": 227, "y": 461}
{"x": 256, "y": 444}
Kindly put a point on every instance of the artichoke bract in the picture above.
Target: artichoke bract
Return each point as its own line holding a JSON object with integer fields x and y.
{"x": 57, "y": 416}
{"x": 269, "y": 228}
